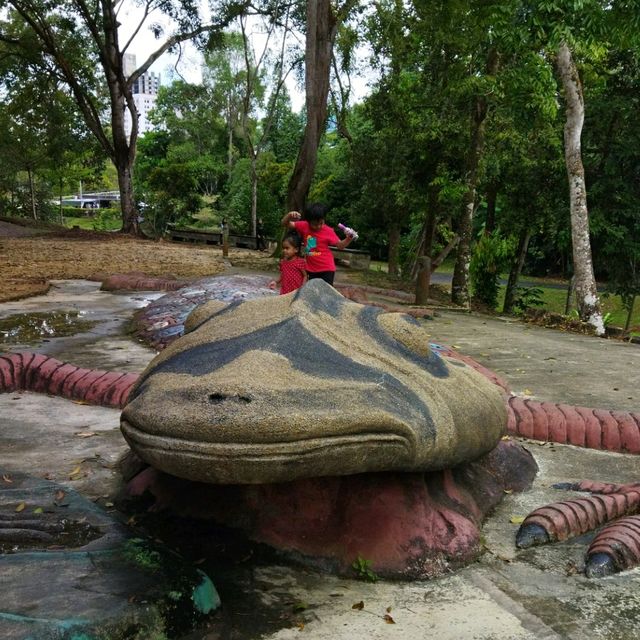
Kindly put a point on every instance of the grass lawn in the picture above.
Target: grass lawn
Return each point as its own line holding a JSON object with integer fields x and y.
{"x": 615, "y": 314}
{"x": 554, "y": 298}
{"x": 92, "y": 224}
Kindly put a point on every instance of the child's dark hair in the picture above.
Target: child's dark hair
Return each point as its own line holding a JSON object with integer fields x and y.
{"x": 294, "y": 240}
{"x": 315, "y": 212}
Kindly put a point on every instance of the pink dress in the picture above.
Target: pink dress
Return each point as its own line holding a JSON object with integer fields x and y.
{"x": 291, "y": 274}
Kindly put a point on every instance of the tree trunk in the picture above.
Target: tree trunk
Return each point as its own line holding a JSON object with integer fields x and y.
{"x": 60, "y": 209}
{"x": 394, "y": 249}
{"x": 121, "y": 96}
{"x": 627, "y": 324}
{"x": 34, "y": 211}
{"x": 585, "y": 282}
{"x": 254, "y": 197}
{"x": 229, "y": 140}
{"x": 460, "y": 281}
{"x": 492, "y": 196}
{"x": 321, "y": 31}
{"x": 424, "y": 261}
{"x": 130, "y": 222}
{"x": 516, "y": 270}
{"x": 423, "y": 280}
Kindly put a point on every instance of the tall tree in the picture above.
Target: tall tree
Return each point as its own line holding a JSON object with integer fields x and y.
{"x": 259, "y": 78}
{"x": 57, "y": 28}
{"x": 322, "y": 22}
{"x": 41, "y": 130}
{"x": 223, "y": 75}
{"x": 584, "y": 278}
{"x": 587, "y": 28}
{"x": 478, "y": 116}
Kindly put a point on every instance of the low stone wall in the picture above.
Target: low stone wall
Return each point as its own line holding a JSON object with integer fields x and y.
{"x": 354, "y": 258}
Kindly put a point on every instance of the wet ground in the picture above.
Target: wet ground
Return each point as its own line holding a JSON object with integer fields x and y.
{"x": 537, "y": 593}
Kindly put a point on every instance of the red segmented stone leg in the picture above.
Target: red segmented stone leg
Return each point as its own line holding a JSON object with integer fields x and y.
{"x": 615, "y": 548}
{"x": 524, "y": 419}
{"x": 569, "y": 518}
{"x": 591, "y": 428}
{"x": 40, "y": 373}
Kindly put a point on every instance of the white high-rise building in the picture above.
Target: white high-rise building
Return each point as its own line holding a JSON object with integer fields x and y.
{"x": 145, "y": 91}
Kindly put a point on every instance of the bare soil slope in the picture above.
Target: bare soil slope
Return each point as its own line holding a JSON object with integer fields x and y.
{"x": 30, "y": 258}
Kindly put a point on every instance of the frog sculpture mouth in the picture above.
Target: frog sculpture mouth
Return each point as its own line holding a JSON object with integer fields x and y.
{"x": 304, "y": 385}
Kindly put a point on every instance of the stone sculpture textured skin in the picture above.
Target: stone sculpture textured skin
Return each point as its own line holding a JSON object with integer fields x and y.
{"x": 617, "y": 547}
{"x": 303, "y": 385}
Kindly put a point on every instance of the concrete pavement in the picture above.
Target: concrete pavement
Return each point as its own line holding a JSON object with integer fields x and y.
{"x": 507, "y": 594}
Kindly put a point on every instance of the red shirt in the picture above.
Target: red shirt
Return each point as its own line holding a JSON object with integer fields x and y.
{"x": 316, "y": 246}
{"x": 292, "y": 274}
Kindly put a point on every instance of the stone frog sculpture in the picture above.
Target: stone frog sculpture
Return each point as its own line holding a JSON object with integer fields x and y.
{"x": 306, "y": 385}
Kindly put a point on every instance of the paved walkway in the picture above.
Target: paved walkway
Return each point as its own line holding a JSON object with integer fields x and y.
{"x": 507, "y": 594}
{"x": 547, "y": 364}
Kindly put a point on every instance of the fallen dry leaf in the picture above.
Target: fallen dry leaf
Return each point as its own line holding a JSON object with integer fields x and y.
{"x": 20, "y": 507}
{"x": 59, "y": 495}
{"x": 388, "y": 619}
{"x": 358, "y": 605}
{"x": 516, "y": 519}
{"x": 7, "y": 478}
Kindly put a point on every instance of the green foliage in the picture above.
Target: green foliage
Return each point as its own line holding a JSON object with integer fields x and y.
{"x": 527, "y": 298}
{"x": 236, "y": 203}
{"x": 139, "y": 552}
{"x": 489, "y": 259}
{"x": 363, "y": 570}
{"x": 94, "y": 219}
{"x": 106, "y": 219}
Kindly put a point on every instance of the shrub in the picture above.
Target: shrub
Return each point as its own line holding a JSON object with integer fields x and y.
{"x": 490, "y": 258}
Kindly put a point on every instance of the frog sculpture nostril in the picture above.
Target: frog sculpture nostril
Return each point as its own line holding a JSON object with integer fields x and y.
{"x": 219, "y": 398}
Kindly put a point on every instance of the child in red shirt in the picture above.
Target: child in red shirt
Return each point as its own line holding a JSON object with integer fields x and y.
{"x": 293, "y": 268}
{"x": 317, "y": 237}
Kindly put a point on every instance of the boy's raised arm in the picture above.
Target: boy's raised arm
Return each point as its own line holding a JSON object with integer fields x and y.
{"x": 345, "y": 242}
{"x": 288, "y": 220}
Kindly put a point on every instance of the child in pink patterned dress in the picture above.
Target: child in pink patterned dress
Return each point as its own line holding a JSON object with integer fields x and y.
{"x": 293, "y": 268}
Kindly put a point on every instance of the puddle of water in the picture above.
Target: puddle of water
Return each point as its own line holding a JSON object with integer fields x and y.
{"x": 42, "y": 531}
{"x": 30, "y": 328}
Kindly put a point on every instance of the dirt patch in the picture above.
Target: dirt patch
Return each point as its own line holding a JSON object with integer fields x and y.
{"x": 29, "y": 262}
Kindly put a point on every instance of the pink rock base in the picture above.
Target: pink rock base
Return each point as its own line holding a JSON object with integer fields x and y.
{"x": 408, "y": 525}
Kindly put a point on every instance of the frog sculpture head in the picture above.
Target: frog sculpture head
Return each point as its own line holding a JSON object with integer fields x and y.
{"x": 304, "y": 385}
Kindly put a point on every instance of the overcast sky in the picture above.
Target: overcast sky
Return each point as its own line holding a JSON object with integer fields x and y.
{"x": 188, "y": 64}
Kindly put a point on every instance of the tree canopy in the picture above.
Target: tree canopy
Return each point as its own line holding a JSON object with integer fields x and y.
{"x": 502, "y": 133}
